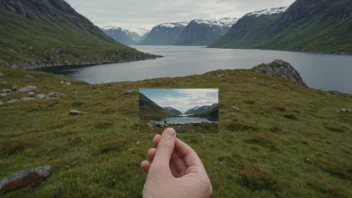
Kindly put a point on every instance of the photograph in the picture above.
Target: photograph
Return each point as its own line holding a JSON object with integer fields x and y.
{"x": 185, "y": 110}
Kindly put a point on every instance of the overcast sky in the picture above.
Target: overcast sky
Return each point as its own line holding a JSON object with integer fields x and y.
{"x": 182, "y": 99}
{"x": 148, "y": 13}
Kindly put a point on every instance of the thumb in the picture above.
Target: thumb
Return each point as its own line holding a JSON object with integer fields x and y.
{"x": 165, "y": 148}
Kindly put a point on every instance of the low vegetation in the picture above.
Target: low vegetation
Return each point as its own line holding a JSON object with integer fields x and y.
{"x": 283, "y": 142}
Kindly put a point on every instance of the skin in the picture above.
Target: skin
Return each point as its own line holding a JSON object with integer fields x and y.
{"x": 174, "y": 170}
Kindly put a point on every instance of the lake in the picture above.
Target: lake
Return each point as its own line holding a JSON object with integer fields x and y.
{"x": 321, "y": 71}
{"x": 183, "y": 120}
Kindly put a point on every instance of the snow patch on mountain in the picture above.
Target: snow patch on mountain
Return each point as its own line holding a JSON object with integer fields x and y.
{"x": 176, "y": 24}
{"x": 140, "y": 31}
{"x": 223, "y": 22}
{"x": 270, "y": 11}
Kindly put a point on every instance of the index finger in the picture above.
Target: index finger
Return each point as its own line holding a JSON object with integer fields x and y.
{"x": 189, "y": 155}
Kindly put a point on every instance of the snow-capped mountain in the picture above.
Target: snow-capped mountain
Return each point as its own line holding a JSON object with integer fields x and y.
{"x": 164, "y": 34}
{"x": 129, "y": 36}
{"x": 205, "y": 32}
{"x": 270, "y": 11}
{"x": 199, "y": 110}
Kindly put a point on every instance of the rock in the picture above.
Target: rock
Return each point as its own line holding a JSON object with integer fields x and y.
{"x": 41, "y": 96}
{"x": 235, "y": 107}
{"x": 221, "y": 75}
{"x": 343, "y": 110}
{"x": 43, "y": 171}
{"x": 2, "y": 75}
{"x": 74, "y": 112}
{"x": 28, "y": 76}
{"x": 30, "y": 48}
{"x": 14, "y": 88}
{"x": 179, "y": 129}
{"x": 13, "y": 101}
{"x": 65, "y": 83}
{"x": 281, "y": 69}
{"x": 6, "y": 91}
{"x": 151, "y": 124}
{"x": 27, "y": 99}
{"x": 28, "y": 89}
{"x": 131, "y": 91}
{"x": 3, "y": 95}
{"x": 31, "y": 94}
{"x": 274, "y": 86}
{"x": 56, "y": 95}
{"x": 260, "y": 83}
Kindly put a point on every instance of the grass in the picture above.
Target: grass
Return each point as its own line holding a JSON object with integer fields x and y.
{"x": 278, "y": 143}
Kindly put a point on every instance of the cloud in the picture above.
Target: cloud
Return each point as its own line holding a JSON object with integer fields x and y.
{"x": 148, "y": 13}
{"x": 187, "y": 98}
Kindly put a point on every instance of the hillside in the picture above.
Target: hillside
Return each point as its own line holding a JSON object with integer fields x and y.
{"x": 307, "y": 25}
{"x": 211, "y": 114}
{"x": 164, "y": 34}
{"x": 125, "y": 36}
{"x": 173, "y": 111}
{"x": 200, "y": 109}
{"x": 51, "y": 33}
{"x": 250, "y": 29}
{"x": 204, "y": 32}
{"x": 150, "y": 110}
{"x": 288, "y": 141}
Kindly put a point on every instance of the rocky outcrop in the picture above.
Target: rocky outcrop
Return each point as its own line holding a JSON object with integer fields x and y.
{"x": 280, "y": 69}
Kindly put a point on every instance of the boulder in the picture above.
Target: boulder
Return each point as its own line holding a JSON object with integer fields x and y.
{"x": 28, "y": 76}
{"x": 41, "y": 96}
{"x": 56, "y": 95}
{"x": 14, "y": 88}
{"x": 42, "y": 172}
{"x": 27, "y": 89}
{"x": 27, "y": 99}
{"x": 344, "y": 110}
{"x": 3, "y": 95}
{"x": 6, "y": 91}
{"x": 13, "y": 101}
{"x": 131, "y": 91}
{"x": 31, "y": 94}
{"x": 2, "y": 75}
{"x": 281, "y": 69}
{"x": 74, "y": 112}
{"x": 65, "y": 83}
{"x": 221, "y": 75}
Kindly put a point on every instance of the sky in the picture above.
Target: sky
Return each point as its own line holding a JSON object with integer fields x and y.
{"x": 149, "y": 13}
{"x": 182, "y": 99}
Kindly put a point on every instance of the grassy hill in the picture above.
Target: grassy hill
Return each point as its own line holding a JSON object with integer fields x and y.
{"x": 211, "y": 114}
{"x": 283, "y": 142}
{"x": 149, "y": 110}
{"x": 51, "y": 33}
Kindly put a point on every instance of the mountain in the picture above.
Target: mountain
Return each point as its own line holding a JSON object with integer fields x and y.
{"x": 250, "y": 29}
{"x": 164, "y": 34}
{"x": 38, "y": 33}
{"x": 125, "y": 36}
{"x": 204, "y": 32}
{"x": 149, "y": 109}
{"x": 173, "y": 111}
{"x": 199, "y": 110}
{"x": 211, "y": 114}
{"x": 307, "y": 25}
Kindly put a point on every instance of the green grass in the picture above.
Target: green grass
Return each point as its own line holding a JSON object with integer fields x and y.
{"x": 284, "y": 142}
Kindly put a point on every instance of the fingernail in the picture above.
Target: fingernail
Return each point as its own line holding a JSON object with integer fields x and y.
{"x": 169, "y": 133}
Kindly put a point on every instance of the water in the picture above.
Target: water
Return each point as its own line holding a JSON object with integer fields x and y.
{"x": 183, "y": 120}
{"x": 321, "y": 71}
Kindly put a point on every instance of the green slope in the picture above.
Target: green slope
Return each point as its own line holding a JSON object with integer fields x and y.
{"x": 284, "y": 142}
{"x": 48, "y": 32}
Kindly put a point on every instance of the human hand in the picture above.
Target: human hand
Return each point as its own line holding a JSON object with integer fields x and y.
{"x": 175, "y": 170}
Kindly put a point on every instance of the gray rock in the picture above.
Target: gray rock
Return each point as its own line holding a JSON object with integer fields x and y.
{"x": 274, "y": 86}
{"x": 74, "y": 112}
{"x": 28, "y": 89}
{"x": 179, "y": 129}
{"x": 3, "y": 95}
{"x": 65, "y": 83}
{"x": 13, "y": 101}
{"x": 131, "y": 91}
{"x": 235, "y": 107}
{"x": 2, "y": 75}
{"x": 27, "y": 99}
{"x": 221, "y": 75}
{"x": 6, "y": 91}
{"x": 281, "y": 69}
{"x": 14, "y": 88}
{"x": 56, "y": 95}
{"x": 31, "y": 94}
{"x": 344, "y": 110}
{"x": 41, "y": 96}
{"x": 28, "y": 76}
{"x": 42, "y": 170}
{"x": 30, "y": 48}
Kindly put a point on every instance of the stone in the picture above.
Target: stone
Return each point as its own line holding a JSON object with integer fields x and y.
{"x": 131, "y": 91}
{"x": 221, "y": 75}
{"x": 344, "y": 110}
{"x": 43, "y": 171}
{"x": 274, "y": 86}
{"x": 280, "y": 69}
{"x": 28, "y": 76}
{"x": 2, "y": 75}
{"x": 56, "y": 95}
{"x": 27, "y": 89}
{"x": 14, "y": 88}
{"x": 31, "y": 94}
{"x": 27, "y": 99}
{"x": 65, "y": 83}
{"x": 30, "y": 48}
{"x": 13, "y": 101}
{"x": 235, "y": 107}
{"x": 3, "y": 95}
{"x": 6, "y": 91}
{"x": 41, "y": 96}
{"x": 74, "y": 112}
{"x": 179, "y": 129}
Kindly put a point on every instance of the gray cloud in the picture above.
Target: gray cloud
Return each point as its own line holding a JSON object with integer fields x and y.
{"x": 148, "y": 13}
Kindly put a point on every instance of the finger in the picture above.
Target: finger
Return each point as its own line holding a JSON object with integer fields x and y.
{"x": 165, "y": 148}
{"x": 187, "y": 153}
{"x": 156, "y": 140}
{"x": 151, "y": 154}
{"x": 145, "y": 165}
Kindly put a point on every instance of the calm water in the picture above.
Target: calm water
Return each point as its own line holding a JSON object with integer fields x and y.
{"x": 322, "y": 71}
{"x": 183, "y": 120}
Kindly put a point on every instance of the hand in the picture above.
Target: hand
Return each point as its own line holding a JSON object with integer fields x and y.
{"x": 175, "y": 170}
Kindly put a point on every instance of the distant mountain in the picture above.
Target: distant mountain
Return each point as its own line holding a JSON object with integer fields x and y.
{"x": 125, "y": 36}
{"x": 204, "y": 32}
{"x": 149, "y": 109}
{"x": 250, "y": 29}
{"x": 199, "y": 110}
{"x": 307, "y": 25}
{"x": 173, "y": 111}
{"x": 164, "y": 34}
{"x": 40, "y": 33}
{"x": 211, "y": 114}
